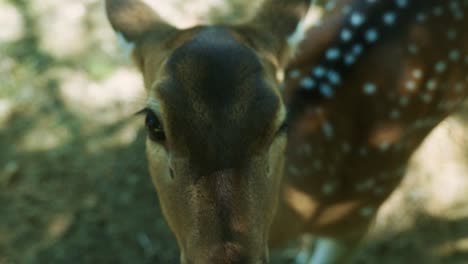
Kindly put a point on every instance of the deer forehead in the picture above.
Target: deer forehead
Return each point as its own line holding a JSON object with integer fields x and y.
{"x": 214, "y": 73}
{"x": 217, "y": 96}
{"x": 215, "y": 68}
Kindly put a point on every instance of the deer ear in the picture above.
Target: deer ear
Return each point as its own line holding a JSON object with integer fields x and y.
{"x": 282, "y": 22}
{"x": 133, "y": 18}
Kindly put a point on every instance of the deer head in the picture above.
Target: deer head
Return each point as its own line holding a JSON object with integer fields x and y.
{"x": 216, "y": 124}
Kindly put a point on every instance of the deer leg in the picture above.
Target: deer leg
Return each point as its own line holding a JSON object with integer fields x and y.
{"x": 333, "y": 250}
{"x": 325, "y": 251}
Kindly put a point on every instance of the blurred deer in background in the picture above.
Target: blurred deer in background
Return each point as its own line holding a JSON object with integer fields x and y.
{"x": 371, "y": 83}
{"x": 240, "y": 165}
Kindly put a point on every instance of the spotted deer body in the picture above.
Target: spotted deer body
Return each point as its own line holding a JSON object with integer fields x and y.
{"x": 366, "y": 87}
{"x": 362, "y": 99}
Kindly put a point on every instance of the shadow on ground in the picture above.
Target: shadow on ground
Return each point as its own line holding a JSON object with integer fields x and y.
{"x": 72, "y": 205}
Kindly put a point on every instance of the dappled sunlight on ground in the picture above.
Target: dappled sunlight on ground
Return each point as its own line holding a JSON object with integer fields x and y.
{"x": 124, "y": 136}
{"x": 105, "y": 101}
{"x": 43, "y": 135}
{"x": 74, "y": 186}
{"x": 11, "y": 21}
{"x": 6, "y": 107}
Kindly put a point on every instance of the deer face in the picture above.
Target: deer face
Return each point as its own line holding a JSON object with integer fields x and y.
{"x": 216, "y": 139}
{"x": 216, "y": 126}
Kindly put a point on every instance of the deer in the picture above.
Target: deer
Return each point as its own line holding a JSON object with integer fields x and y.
{"x": 261, "y": 132}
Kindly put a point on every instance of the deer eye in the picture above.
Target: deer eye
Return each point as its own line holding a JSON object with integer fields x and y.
{"x": 154, "y": 126}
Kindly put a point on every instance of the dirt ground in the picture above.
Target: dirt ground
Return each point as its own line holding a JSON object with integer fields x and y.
{"x": 74, "y": 187}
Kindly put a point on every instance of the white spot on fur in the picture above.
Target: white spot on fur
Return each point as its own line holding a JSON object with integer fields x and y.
{"x": 333, "y": 54}
{"x": 452, "y": 34}
{"x": 306, "y": 149}
{"x": 404, "y": 101}
{"x": 421, "y": 17}
{"x": 372, "y": 35}
{"x": 440, "y": 66}
{"x": 294, "y": 74}
{"x": 365, "y": 186}
{"x": 395, "y": 114}
{"x": 431, "y": 85}
{"x": 346, "y": 9}
{"x": 334, "y": 77}
{"x": 413, "y": 48}
{"x": 346, "y": 35}
{"x": 319, "y": 71}
{"x": 379, "y": 191}
{"x": 326, "y": 90}
{"x": 330, "y": 6}
{"x": 367, "y": 211}
{"x": 357, "y": 19}
{"x": 328, "y": 130}
{"x": 459, "y": 87}
{"x": 459, "y": 15}
{"x": 294, "y": 171}
{"x": 438, "y": 11}
{"x": 349, "y": 59}
{"x": 417, "y": 73}
{"x": 318, "y": 164}
{"x": 328, "y": 188}
{"x": 369, "y": 88}
{"x": 410, "y": 86}
{"x": 384, "y": 146}
{"x": 389, "y": 18}
{"x": 358, "y": 49}
{"x": 454, "y": 55}
{"x": 307, "y": 83}
{"x": 426, "y": 98}
{"x": 402, "y": 3}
